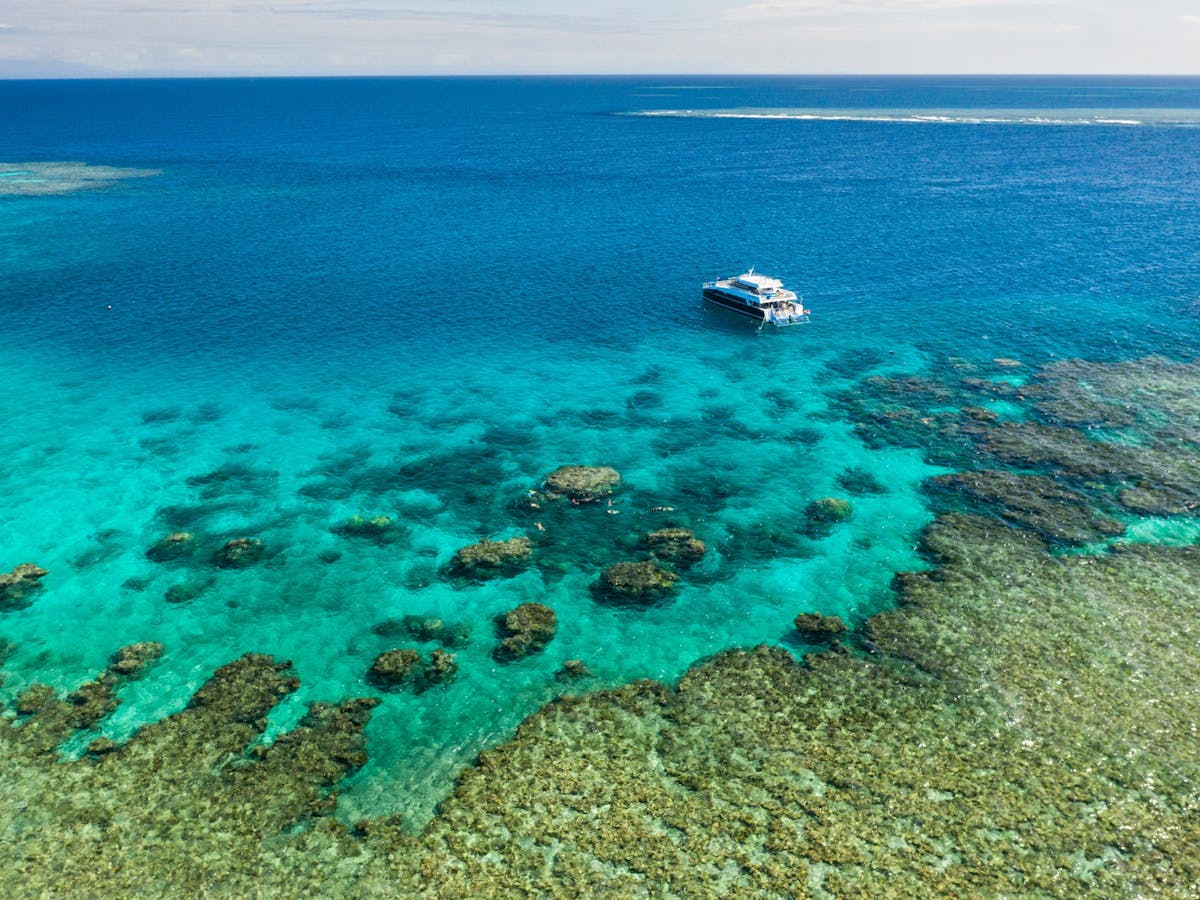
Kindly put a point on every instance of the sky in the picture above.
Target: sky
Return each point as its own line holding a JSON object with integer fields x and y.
{"x": 73, "y": 38}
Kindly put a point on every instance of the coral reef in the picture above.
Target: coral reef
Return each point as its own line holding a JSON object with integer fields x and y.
{"x": 133, "y": 659}
{"x": 573, "y": 669}
{"x": 404, "y": 668}
{"x": 34, "y": 698}
{"x": 1029, "y": 501}
{"x": 395, "y": 668}
{"x": 489, "y": 559}
{"x": 980, "y": 414}
{"x": 189, "y": 590}
{"x": 1045, "y": 760}
{"x": 824, "y": 513}
{"x": 814, "y": 626}
{"x": 189, "y": 805}
{"x": 174, "y": 546}
{"x": 239, "y": 553}
{"x": 639, "y": 583}
{"x": 584, "y": 484}
{"x": 951, "y": 766}
{"x": 677, "y": 546}
{"x": 16, "y": 586}
{"x": 39, "y": 179}
{"x": 857, "y": 480}
{"x": 1124, "y": 434}
{"x": 424, "y": 629}
{"x": 1146, "y": 499}
{"x": 829, "y": 510}
{"x": 380, "y": 529}
{"x": 524, "y": 630}
{"x": 1059, "y": 450}
{"x": 768, "y": 540}
{"x": 442, "y": 668}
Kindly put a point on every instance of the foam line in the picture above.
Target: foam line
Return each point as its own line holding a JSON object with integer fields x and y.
{"x": 1179, "y": 118}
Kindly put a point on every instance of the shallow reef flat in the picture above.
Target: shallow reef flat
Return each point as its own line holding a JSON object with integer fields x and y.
{"x": 38, "y": 179}
{"x": 1024, "y": 722}
{"x": 1026, "y": 725}
{"x": 1026, "y": 728}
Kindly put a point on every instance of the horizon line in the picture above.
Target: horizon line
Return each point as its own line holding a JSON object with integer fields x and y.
{"x": 614, "y": 75}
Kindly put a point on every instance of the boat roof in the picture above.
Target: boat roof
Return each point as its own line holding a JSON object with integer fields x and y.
{"x": 760, "y": 282}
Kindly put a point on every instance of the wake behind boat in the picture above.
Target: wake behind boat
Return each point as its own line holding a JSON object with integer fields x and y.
{"x": 758, "y": 297}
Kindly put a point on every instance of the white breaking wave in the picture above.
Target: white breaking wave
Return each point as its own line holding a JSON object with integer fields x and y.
{"x": 1178, "y": 118}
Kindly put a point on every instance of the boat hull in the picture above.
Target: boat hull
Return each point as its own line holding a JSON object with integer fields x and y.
{"x": 720, "y": 298}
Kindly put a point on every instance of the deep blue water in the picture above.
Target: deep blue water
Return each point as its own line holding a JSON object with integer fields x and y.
{"x": 415, "y": 297}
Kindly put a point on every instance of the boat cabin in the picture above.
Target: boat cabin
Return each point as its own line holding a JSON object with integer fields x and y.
{"x": 758, "y": 284}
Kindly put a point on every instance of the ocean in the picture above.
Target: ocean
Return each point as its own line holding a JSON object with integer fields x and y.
{"x": 257, "y": 308}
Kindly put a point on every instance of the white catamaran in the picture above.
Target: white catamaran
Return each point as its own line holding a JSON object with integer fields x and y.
{"x": 758, "y": 297}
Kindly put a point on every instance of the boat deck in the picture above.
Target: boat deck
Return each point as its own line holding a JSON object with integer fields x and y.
{"x": 794, "y": 314}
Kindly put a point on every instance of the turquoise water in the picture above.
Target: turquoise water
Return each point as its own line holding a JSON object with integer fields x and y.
{"x": 418, "y": 297}
{"x": 106, "y": 470}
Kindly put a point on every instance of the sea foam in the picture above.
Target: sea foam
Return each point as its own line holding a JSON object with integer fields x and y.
{"x": 1176, "y": 118}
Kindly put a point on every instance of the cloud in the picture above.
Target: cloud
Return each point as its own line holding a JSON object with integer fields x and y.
{"x": 775, "y": 10}
{"x": 476, "y": 17}
{"x": 360, "y": 37}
